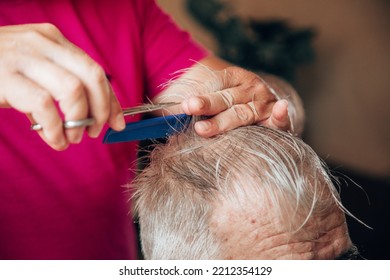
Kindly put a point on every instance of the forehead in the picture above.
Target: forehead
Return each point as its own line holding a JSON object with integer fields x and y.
{"x": 249, "y": 229}
{"x": 241, "y": 229}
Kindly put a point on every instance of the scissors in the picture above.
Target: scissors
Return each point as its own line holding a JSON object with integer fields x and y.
{"x": 144, "y": 108}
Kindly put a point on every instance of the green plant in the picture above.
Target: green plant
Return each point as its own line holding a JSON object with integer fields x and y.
{"x": 271, "y": 46}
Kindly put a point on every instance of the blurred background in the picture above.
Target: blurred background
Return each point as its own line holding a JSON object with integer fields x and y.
{"x": 337, "y": 56}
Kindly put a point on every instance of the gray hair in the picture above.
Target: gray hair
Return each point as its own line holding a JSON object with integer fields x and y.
{"x": 175, "y": 194}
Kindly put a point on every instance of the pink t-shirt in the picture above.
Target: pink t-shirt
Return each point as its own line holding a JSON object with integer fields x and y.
{"x": 72, "y": 204}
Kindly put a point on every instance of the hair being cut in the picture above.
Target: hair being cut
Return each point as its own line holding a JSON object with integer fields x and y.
{"x": 175, "y": 193}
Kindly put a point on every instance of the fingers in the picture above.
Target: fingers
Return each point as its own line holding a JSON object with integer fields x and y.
{"x": 216, "y": 102}
{"x": 239, "y": 87}
{"x": 212, "y": 103}
{"x": 116, "y": 120}
{"x": 279, "y": 118}
{"x": 244, "y": 99}
{"x": 102, "y": 102}
{"x": 238, "y": 115}
{"x": 32, "y": 99}
{"x": 56, "y": 71}
{"x": 275, "y": 116}
{"x": 92, "y": 76}
{"x": 70, "y": 93}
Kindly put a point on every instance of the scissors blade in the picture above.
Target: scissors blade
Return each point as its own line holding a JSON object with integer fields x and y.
{"x": 146, "y": 108}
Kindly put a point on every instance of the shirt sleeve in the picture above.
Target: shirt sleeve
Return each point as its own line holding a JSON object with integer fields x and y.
{"x": 167, "y": 48}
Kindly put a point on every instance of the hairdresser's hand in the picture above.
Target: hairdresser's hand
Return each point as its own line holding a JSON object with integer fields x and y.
{"x": 244, "y": 100}
{"x": 38, "y": 68}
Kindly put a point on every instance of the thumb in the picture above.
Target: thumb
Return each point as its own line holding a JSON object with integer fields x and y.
{"x": 279, "y": 118}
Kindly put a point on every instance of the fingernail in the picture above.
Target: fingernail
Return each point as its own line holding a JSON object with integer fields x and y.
{"x": 78, "y": 139}
{"x": 120, "y": 121}
{"x": 94, "y": 131}
{"x": 62, "y": 143}
{"x": 203, "y": 126}
{"x": 285, "y": 102}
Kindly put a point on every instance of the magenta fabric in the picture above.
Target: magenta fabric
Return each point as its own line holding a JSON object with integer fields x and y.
{"x": 73, "y": 204}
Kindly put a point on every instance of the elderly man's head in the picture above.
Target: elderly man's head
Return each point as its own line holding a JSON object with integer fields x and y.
{"x": 250, "y": 193}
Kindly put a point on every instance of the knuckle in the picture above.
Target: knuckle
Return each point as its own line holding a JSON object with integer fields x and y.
{"x": 98, "y": 74}
{"x": 49, "y": 28}
{"x": 32, "y": 35}
{"x": 75, "y": 88}
{"x": 254, "y": 111}
{"x": 101, "y": 115}
{"x": 255, "y": 86}
{"x": 257, "y": 83}
{"x": 218, "y": 125}
{"x": 226, "y": 97}
{"x": 231, "y": 73}
{"x": 11, "y": 62}
{"x": 235, "y": 69}
{"x": 258, "y": 106}
{"x": 100, "y": 119}
{"x": 43, "y": 100}
{"x": 244, "y": 113}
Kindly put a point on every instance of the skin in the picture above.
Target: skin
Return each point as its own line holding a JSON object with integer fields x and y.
{"x": 39, "y": 67}
{"x": 242, "y": 85}
{"x": 255, "y": 232}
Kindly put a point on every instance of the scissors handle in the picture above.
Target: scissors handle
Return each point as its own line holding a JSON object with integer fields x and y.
{"x": 68, "y": 124}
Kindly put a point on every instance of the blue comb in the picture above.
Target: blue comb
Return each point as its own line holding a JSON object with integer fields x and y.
{"x": 153, "y": 128}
